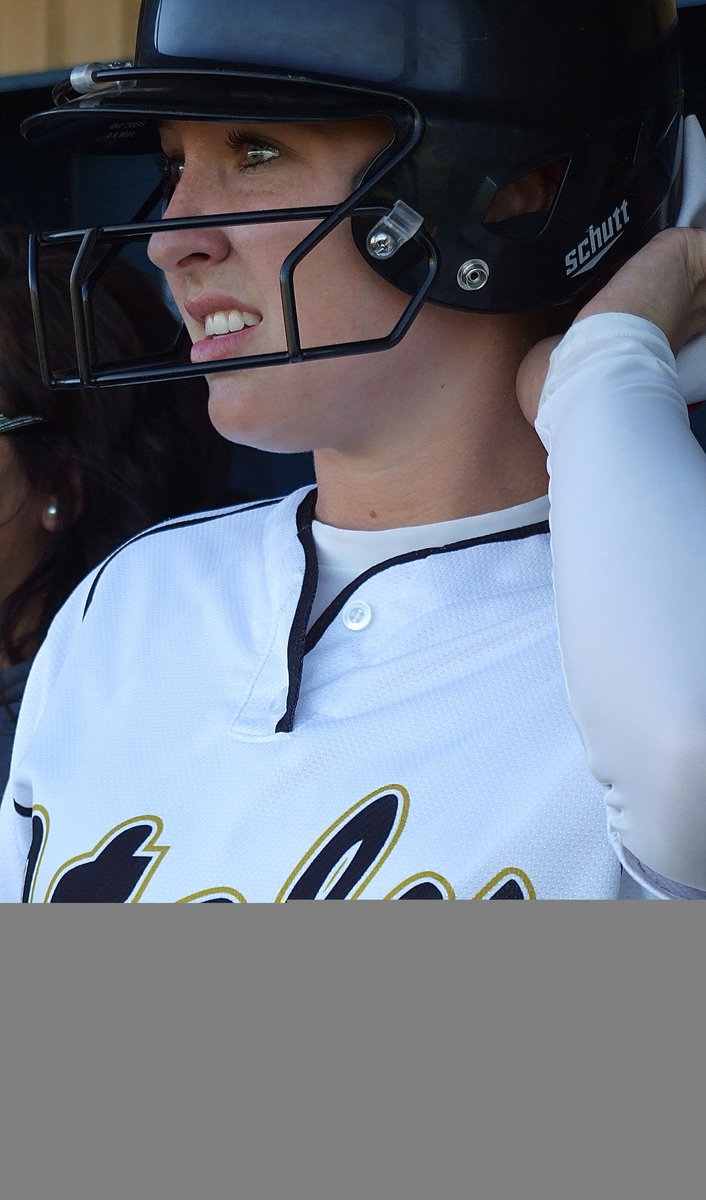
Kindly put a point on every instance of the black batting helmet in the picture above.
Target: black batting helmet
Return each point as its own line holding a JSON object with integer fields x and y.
{"x": 478, "y": 93}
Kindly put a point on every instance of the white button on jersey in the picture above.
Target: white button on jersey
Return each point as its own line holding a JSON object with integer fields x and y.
{"x": 357, "y": 615}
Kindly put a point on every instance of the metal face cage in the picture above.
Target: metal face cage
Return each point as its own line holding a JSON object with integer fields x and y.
{"x": 95, "y": 249}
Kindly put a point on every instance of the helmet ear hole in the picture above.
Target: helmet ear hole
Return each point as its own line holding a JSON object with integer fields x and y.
{"x": 531, "y": 196}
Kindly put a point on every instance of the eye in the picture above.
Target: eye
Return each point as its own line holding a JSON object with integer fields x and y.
{"x": 260, "y": 154}
{"x": 170, "y": 168}
{"x": 254, "y": 151}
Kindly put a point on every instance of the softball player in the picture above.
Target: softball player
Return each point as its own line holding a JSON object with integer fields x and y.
{"x": 372, "y": 213}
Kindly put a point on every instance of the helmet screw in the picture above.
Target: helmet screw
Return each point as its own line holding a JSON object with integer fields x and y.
{"x": 473, "y": 275}
{"x": 381, "y": 244}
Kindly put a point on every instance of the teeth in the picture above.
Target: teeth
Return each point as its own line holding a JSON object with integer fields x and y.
{"x": 221, "y": 322}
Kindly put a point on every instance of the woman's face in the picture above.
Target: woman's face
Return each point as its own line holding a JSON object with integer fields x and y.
{"x": 226, "y": 280}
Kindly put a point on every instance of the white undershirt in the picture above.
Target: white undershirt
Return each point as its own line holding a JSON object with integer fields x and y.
{"x": 344, "y": 554}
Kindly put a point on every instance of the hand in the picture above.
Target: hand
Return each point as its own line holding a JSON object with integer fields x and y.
{"x": 665, "y": 282}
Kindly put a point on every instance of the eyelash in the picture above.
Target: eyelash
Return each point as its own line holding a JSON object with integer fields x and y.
{"x": 171, "y": 166}
{"x": 247, "y": 141}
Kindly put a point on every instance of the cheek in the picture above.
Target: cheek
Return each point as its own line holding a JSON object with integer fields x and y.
{"x": 340, "y": 297}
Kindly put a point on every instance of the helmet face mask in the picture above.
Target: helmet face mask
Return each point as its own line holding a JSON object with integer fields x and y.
{"x": 95, "y": 249}
{"x": 480, "y": 94}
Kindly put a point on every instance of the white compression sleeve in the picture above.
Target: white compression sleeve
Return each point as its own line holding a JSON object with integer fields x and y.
{"x": 628, "y": 522}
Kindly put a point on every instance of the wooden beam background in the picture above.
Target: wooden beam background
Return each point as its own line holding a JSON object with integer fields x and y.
{"x": 41, "y": 35}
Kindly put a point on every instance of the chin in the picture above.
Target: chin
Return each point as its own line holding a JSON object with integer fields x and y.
{"x": 248, "y": 416}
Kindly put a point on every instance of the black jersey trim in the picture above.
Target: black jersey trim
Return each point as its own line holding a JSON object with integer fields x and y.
{"x": 22, "y": 811}
{"x": 184, "y": 523}
{"x": 505, "y": 535}
{"x": 296, "y": 646}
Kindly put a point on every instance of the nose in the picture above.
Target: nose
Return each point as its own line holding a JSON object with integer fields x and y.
{"x": 179, "y": 251}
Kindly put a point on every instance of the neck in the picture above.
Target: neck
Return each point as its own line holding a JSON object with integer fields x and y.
{"x": 458, "y": 449}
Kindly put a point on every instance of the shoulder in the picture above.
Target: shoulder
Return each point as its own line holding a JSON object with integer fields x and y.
{"x": 197, "y": 546}
{"x": 169, "y": 582}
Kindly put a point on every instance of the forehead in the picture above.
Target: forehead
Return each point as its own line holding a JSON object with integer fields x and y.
{"x": 372, "y": 130}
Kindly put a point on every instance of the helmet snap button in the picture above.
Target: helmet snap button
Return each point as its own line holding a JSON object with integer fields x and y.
{"x": 473, "y": 275}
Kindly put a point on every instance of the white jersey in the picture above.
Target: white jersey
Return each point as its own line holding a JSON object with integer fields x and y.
{"x": 184, "y": 738}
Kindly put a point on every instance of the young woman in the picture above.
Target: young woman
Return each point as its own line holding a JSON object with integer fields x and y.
{"x": 372, "y": 216}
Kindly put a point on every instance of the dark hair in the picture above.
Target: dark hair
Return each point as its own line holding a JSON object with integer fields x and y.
{"x": 116, "y": 459}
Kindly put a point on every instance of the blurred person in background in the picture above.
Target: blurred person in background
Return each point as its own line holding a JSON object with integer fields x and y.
{"x": 82, "y": 472}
